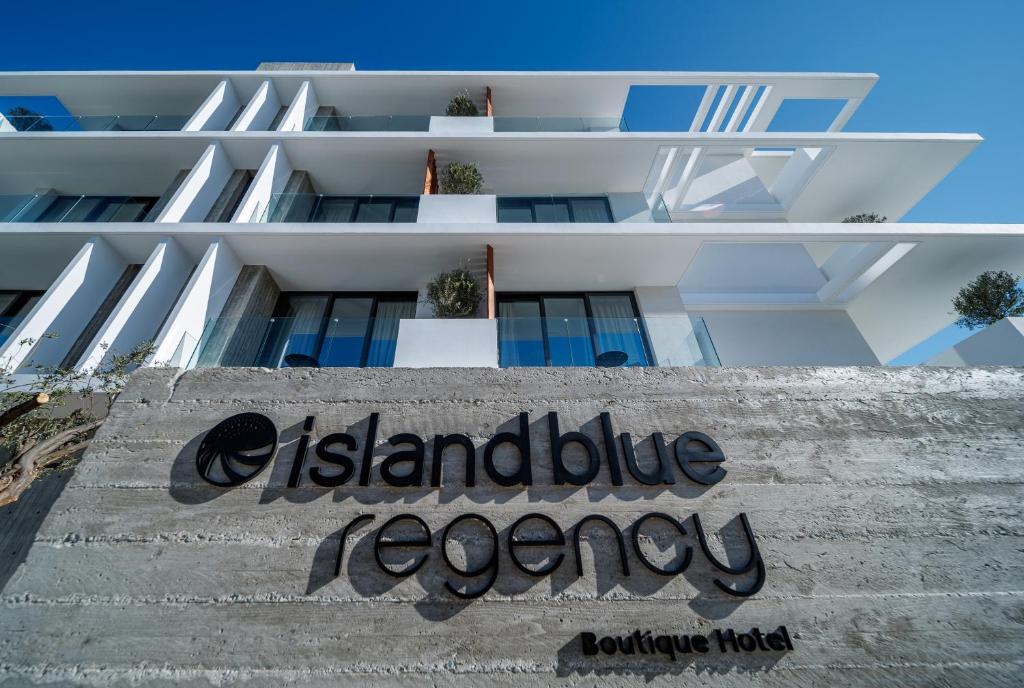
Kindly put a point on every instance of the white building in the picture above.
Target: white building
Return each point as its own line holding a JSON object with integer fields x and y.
{"x": 291, "y": 216}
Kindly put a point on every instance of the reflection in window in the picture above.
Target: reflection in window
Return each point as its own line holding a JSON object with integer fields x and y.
{"x": 97, "y": 209}
{"x": 314, "y": 208}
{"x": 570, "y": 330}
{"x": 14, "y": 307}
{"x": 335, "y": 330}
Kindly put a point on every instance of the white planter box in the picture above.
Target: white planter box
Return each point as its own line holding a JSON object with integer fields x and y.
{"x": 440, "y": 343}
{"x": 441, "y": 208}
{"x": 461, "y": 125}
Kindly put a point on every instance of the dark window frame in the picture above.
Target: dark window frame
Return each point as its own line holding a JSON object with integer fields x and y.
{"x": 532, "y": 201}
{"x": 539, "y": 296}
{"x": 332, "y": 296}
{"x": 395, "y": 201}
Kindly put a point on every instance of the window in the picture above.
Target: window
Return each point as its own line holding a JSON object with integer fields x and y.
{"x": 553, "y": 209}
{"x": 14, "y": 306}
{"x": 314, "y": 208}
{"x": 97, "y": 209}
{"x": 335, "y": 330}
{"x": 590, "y": 329}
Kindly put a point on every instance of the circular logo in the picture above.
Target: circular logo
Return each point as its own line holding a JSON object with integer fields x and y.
{"x": 236, "y": 450}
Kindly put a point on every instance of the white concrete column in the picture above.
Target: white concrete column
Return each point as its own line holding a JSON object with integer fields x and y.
{"x": 143, "y": 307}
{"x": 201, "y": 188}
{"x": 201, "y": 301}
{"x": 269, "y": 180}
{"x": 260, "y": 111}
{"x": 216, "y": 111}
{"x": 304, "y": 106}
{"x": 66, "y": 307}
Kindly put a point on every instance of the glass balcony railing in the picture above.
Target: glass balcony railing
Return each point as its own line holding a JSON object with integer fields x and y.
{"x": 659, "y": 211}
{"x": 297, "y": 342}
{"x": 607, "y": 342}
{"x": 368, "y": 123}
{"x": 287, "y": 207}
{"x": 559, "y": 124}
{"x": 49, "y": 208}
{"x": 46, "y": 123}
{"x": 317, "y": 342}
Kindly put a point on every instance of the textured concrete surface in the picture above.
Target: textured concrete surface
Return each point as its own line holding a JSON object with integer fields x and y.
{"x": 887, "y": 504}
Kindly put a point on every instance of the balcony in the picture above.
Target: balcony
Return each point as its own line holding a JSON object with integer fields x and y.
{"x": 572, "y": 209}
{"x": 507, "y": 342}
{"x": 500, "y": 124}
{"x": 286, "y": 207}
{"x": 559, "y": 124}
{"x": 57, "y": 123}
{"x": 368, "y": 123}
{"x": 51, "y": 208}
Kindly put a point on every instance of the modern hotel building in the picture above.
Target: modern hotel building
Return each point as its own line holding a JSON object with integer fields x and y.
{"x": 698, "y": 279}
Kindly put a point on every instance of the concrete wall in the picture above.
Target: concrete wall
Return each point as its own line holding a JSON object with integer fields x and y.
{"x": 888, "y": 505}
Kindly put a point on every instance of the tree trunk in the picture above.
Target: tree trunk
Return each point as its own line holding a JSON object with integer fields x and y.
{"x": 34, "y": 455}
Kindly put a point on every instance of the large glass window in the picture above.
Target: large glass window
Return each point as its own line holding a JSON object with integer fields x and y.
{"x": 14, "y": 306}
{"x": 314, "y": 208}
{"x": 588, "y": 329}
{"x": 335, "y": 330}
{"x": 554, "y": 209}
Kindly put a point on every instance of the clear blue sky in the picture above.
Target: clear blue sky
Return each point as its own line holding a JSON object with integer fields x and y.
{"x": 945, "y": 65}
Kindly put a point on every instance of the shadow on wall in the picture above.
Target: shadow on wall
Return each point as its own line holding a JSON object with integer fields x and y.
{"x": 20, "y": 521}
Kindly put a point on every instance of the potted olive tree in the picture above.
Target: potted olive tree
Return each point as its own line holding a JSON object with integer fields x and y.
{"x": 453, "y": 337}
{"x": 462, "y": 116}
{"x": 989, "y": 298}
{"x": 454, "y": 294}
{"x": 461, "y": 105}
{"x": 460, "y": 198}
{"x": 461, "y": 178}
{"x": 867, "y": 218}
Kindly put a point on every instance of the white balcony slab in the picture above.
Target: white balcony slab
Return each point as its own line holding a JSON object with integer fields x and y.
{"x": 441, "y": 208}
{"x": 461, "y": 125}
{"x": 455, "y": 342}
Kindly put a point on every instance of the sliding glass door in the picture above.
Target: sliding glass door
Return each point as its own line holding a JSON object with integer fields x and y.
{"x": 588, "y": 329}
{"x": 335, "y": 330}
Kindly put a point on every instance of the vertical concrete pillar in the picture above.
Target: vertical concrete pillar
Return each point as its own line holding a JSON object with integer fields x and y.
{"x": 217, "y": 111}
{"x": 65, "y": 308}
{"x": 101, "y": 315}
{"x": 167, "y": 196}
{"x": 201, "y": 188}
{"x": 260, "y": 111}
{"x": 143, "y": 307}
{"x": 303, "y": 106}
{"x": 239, "y": 332}
{"x": 271, "y": 178}
{"x": 201, "y": 302}
{"x": 226, "y": 205}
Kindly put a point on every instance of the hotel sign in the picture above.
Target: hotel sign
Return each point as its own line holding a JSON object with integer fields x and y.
{"x": 242, "y": 446}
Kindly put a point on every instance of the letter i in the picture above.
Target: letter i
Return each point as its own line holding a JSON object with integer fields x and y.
{"x": 300, "y": 452}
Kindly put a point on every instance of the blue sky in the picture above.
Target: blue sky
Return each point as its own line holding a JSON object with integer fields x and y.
{"x": 945, "y": 65}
